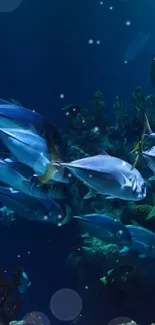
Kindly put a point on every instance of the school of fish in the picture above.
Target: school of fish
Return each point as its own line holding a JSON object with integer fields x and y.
{"x": 32, "y": 172}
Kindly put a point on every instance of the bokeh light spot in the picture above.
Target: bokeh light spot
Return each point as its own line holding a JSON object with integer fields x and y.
{"x": 66, "y": 304}
{"x": 120, "y": 321}
{"x": 36, "y": 318}
{"x": 9, "y": 5}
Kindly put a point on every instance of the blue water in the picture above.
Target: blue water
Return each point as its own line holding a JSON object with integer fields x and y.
{"x": 45, "y": 51}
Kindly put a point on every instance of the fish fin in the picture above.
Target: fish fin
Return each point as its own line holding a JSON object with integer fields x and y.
{"x": 68, "y": 216}
{"x": 90, "y": 194}
{"x": 147, "y": 128}
{"x": 110, "y": 197}
{"x": 110, "y": 271}
{"x": 135, "y": 162}
{"x": 104, "y": 153}
{"x": 13, "y": 101}
{"x": 138, "y": 149}
{"x": 104, "y": 280}
{"x": 152, "y": 178}
{"x": 55, "y": 162}
{"x": 142, "y": 256}
{"x": 125, "y": 249}
{"x": 135, "y": 223}
{"x": 151, "y": 214}
{"x": 50, "y": 172}
{"x": 4, "y": 102}
{"x": 128, "y": 183}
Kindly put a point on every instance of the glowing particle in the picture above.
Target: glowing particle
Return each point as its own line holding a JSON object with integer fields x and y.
{"x": 110, "y": 8}
{"x": 101, "y": 3}
{"x": 128, "y": 23}
{"x": 79, "y": 249}
{"x": 33, "y": 110}
{"x": 67, "y": 113}
{"x": 125, "y": 62}
{"x": 90, "y": 41}
{"x": 18, "y": 255}
{"x": 86, "y": 287}
{"x": 28, "y": 252}
{"x": 83, "y": 121}
{"x": 98, "y": 42}
{"x": 66, "y": 304}
{"x": 62, "y": 96}
{"x": 59, "y": 216}
{"x": 45, "y": 217}
{"x": 59, "y": 224}
{"x": 90, "y": 176}
{"x": 74, "y": 109}
{"x": 69, "y": 175}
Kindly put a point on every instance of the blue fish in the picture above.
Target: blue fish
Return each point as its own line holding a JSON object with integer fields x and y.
{"x": 14, "y": 115}
{"x": 142, "y": 241}
{"x": 105, "y": 228}
{"x": 24, "y": 283}
{"x": 20, "y": 177}
{"x": 28, "y": 207}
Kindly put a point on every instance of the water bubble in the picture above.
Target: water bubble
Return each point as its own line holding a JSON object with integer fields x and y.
{"x": 9, "y": 5}
{"x": 36, "y": 318}
{"x": 120, "y": 321}
{"x": 66, "y": 304}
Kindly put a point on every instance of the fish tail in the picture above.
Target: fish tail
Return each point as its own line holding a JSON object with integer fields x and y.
{"x": 55, "y": 164}
{"x": 138, "y": 149}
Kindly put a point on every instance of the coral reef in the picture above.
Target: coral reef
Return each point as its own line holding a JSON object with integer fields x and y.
{"x": 10, "y": 303}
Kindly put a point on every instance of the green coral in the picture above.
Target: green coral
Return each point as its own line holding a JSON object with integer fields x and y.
{"x": 140, "y": 211}
{"x": 95, "y": 245}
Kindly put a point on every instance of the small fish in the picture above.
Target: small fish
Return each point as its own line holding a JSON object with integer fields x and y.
{"x": 24, "y": 283}
{"x": 106, "y": 228}
{"x": 107, "y": 175}
{"x": 142, "y": 242}
{"x": 7, "y": 216}
{"x": 28, "y": 207}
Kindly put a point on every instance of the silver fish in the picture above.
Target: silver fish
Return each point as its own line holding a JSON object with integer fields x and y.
{"x": 142, "y": 241}
{"x": 32, "y": 150}
{"x": 110, "y": 176}
{"x": 15, "y": 115}
{"x": 106, "y": 228}
{"x": 149, "y": 156}
{"x": 28, "y": 207}
{"x": 20, "y": 177}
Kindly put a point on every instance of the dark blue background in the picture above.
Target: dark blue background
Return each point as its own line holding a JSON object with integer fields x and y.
{"x": 44, "y": 52}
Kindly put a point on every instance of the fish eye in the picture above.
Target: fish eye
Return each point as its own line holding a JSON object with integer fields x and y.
{"x": 119, "y": 233}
